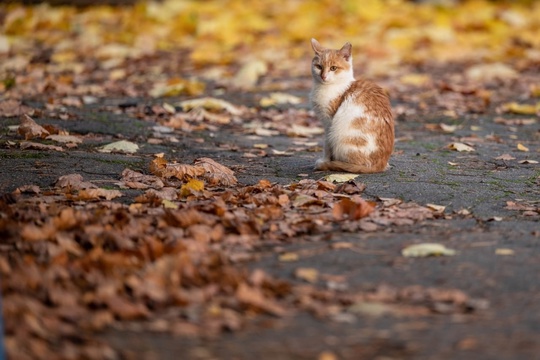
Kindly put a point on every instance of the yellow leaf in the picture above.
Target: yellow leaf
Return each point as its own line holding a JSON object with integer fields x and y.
{"x": 249, "y": 74}
{"x": 310, "y": 275}
{"x": 427, "y": 249}
{"x": 167, "y": 204}
{"x": 191, "y": 186}
{"x": 340, "y": 178}
{"x": 279, "y": 98}
{"x": 415, "y": 79}
{"x": 522, "y": 147}
{"x": 523, "y": 109}
{"x": 504, "y": 252}
{"x": 460, "y": 147}
{"x": 436, "y": 208}
{"x": 288, "y": 256}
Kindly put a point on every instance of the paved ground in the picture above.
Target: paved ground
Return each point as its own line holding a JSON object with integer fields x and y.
{"x": 505, "y": 324}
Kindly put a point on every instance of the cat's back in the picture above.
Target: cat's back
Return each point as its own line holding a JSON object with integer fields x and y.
{"x": 366, "y": 97}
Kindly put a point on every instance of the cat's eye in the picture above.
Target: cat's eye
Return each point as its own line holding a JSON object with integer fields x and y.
{"x": 318, "y": 67}
{"x": 333, "y": 68}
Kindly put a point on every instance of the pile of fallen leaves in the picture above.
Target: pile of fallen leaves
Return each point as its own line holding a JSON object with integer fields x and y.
{"x": 74, "y": 261}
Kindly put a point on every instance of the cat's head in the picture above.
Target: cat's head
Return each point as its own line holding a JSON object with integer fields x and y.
{"x": 331, "y": 66}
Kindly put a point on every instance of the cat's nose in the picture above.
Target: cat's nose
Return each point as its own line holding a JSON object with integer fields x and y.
{"x": 323, "y": 76}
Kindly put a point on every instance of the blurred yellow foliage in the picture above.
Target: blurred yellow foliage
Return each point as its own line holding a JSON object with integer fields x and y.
{"x": 223, "y": 31}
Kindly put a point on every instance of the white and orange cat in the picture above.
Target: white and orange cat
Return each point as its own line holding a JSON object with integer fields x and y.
{"x": 356, "y": 114}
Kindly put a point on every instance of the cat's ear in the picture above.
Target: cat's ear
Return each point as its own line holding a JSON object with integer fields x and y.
{"x": 317, "y": 47}
{"x": 345, "y": 51}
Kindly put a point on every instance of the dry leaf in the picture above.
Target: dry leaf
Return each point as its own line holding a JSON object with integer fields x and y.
{"x": 527, "y": 161}
{"x": 254, "y": 297}
{"x": 310, "y": 275}
{"x": 340, "y": 178}
{"x": 216, "y": 174}
{"x": 460, "y": 147}
{"x": 65, "y": 139}
{"x": 490, "y": 72}
{"x": 506, "y": 157}
{"x": 136, "y": 180}
{"x": 210, "y": 103}
{"x": 249, "y": 74}
{"x": 288, "y": 256}
{"x": 120, "y": 146}
{"x": 30, "y": 129}
{"x": 427, "y": 249}
{"x": 348, "y": 209}
{"x": 436, "y": 208}
{"x": 192, "y": 186}
{"x": 304, "y": 131}
{"x": 523, "y": 109}
{"x": 37, "y": 146}
{"x": 92, "y": 194}
{"x": 160, "y": 167}
{"x": 74, "y": 181}
{"x": 522, "y": 147}
{"x": 504, "y": 252}
{"x": 279, "y": 98}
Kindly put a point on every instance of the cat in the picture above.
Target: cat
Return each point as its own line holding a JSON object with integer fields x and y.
{"x": 356, "y": 114}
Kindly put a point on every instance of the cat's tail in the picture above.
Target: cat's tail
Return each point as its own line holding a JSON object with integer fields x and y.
{"x": 335, "y": 165}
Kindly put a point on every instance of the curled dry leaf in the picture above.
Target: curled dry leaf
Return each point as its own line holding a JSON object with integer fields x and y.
{"x": 30, "y": 129}
{"x": 160, "y": 167}
{"x": 522, "y": 147}
{"x": 216, "y": 174}
{"x": 254, "y": 297}
{"x": 340, "y": 178}
{"x": 37, "y": 146}
{"x": 352, "y": 209}
{"x": 94, "y": 194}
{"x": 460, "y": 147}
{"x": 137, "y": 180}
{"x": 74, "y": 181}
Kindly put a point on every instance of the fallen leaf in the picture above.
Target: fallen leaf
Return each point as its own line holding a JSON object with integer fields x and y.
{"x": 168, "y": 204}
{"x": 490, "y": 72}
{"x": 137, "y": 180}
{"x": 504, "y": 252}
{"x": 527, "y": 161}
{"x": 92, "y": 194}
{"x": 310, "y": 275}
{"x": 120, "y": 146}
{"x": 522, "y": 147}
{"x": 160, "y": 167}
{"x": 279, "y": 98}
{"x": 522, "y": 109}
{"x": 37, "y": 146}
{"x": 30, "y": 129}
{"x": 12, "y": 107}
{"x": 436, "y": 208}
{"x": 506, "y": 157}
{"x": 175, "y": 87}
{"x": 415, "y": 79}
{"x": 460, "y": 147}
{"x": 304, "y": 131}
{"x": 216, "y": 174}
{"x": 427, "y": 249}
{"x": 288, "y": 256}
{"x": 209, "y": 103}
{"x": 65, "y": 139}
{"x": 452, "y": 163}
{"x": 193, "y": 185}
{"x": 74, "y": 181}
{"x": 249, "y": 74}
{"x": 340, "y": 178}
{"x": 347, "y": 209}
{"x": 515, "y": 122}
{"x": 448, "y": 128}
{"x": 254, "y": 297}
{"x": 260, "y": 146}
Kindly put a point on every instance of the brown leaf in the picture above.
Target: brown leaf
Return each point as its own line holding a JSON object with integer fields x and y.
{"x": 127, "y": 310}
{"x": 160, "y": 167}
{"x": 137, "y": 180}
{"x": 94, "y": 194}
{"x": 74, "y": 181}
{"x": 216, "y": 174}
{"x": 37, "y": 146}
{"x": 347, "y": 209}
{"x": 30, "y": 129}
{"x": 12, "y": 107}
{"x": 254, "y": 297}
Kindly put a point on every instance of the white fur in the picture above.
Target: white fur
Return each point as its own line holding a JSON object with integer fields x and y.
{"x": 339, "y": 127}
